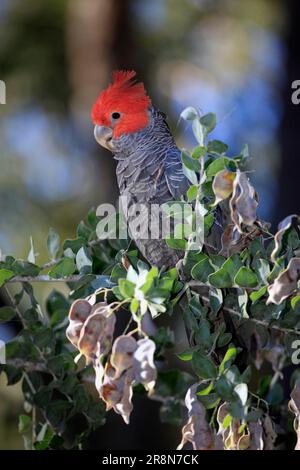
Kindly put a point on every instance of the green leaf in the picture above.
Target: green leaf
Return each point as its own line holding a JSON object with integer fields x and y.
{"x": 203, "y": 366}
{"x": 246, "y": 278}
{"x": 243, "y": 301}
{"x": 275, "y": 395}
{"x": 210, "y": 401}
{"x": 24, "y": 268}
{"x": 208, "y": 223}
{"x": 190, "y": 174}
{"x": 134, "y": 305}
{"x": 220, "y": 279}
{"x": 176, "y": 243}
{"x": 202, "y": 270}
{"x": 43, "y": 396}
{"x": 216, "y": 166}
{"x": 196, "y": 306}
{"x": 224, "y": 388}
{"x": 232, "y": 265}
{"x": 236, "y": 410}
{"x": 31, "y": 254}
{"x": 13, "y": 374}
{"x": 126, "y": 288}
{"x": 171, "y": 274}
{"x": 83, "y": 231}
{"x": 155, "y": 309}
{"x": 164, "y": 338}
{"x": 246, "y": 375}
{"x": 199, "y": 152}
{"x": 44, "y": 337}
{"x": 56, "y": 412}
{"x": 224, "y": 339}
{"x": 226, "y": 421}
{"x": 92, "y": 218}
{"x": 118, "y": 271}
{"x": 182, "y": 231}
{"x": 206, "y": 390}
{"x": 263, "y": 385}
{"x": 242, "y": 391}
{"x": 215, "y": 299}
{"x": 208, "y": 121}
{"x": 217, "y": 260}
{"x": 13, "y": 348}
{"x": 192, "y": 192}
{"x": 186, "y": 355}
{"x": 198, "y": 131}
{"x": 6, "y": 314}
{"x": 83, "y": 260}
{"x": 203, "y": 336}
{"x": 65, "y": 267}
{"x": 5, "y": 274}
{"x": 294, "y": 301}
{"x": 189, "y": 114}
{"x": 53, "y": 243}
{"x": 190, "y": 162}
{"x": 44, "y": 438}
{"x": 262, "y": 269}
{"x": 57, "y": 301}
{"x": 228, "y": 358}
{"x": 216, "y": 146}
{"x": 256, "y": 295}
{"x": 25, "y": 424}
{"x": 74, "y": 244}
{"x": 245, "y": 151}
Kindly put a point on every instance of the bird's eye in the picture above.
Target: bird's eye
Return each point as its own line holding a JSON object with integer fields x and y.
{"x": 116, "y": 115}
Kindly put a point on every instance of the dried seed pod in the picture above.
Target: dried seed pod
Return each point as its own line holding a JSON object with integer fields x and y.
{"x": 80, "y": 310}
{"x": 122, "y": 354}
{"x": 143, "y": 364}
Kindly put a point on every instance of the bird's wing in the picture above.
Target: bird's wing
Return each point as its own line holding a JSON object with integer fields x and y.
{"x": 177, "y": 182}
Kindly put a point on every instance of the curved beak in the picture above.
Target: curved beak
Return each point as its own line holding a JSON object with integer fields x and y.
{"x": 104, "y": 136}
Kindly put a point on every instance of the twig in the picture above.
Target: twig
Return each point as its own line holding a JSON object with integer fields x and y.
{"x": 27, "y": 365}
{"x": 202, "y": 284}
{"x": 53, "y": 262}
{"x": 231, "y": 311}
{"x": 278, "y": 371}
{"x": 14, "y": 305}
{"x": 45, "y": 278}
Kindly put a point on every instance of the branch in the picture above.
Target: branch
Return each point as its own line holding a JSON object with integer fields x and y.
{"x": 53, "y": 262}
{"x": 14, "y": 305}
{"x": 231, "y": 311}
{"x": 202, "y": 284}
{"x": 46, "y": 278}
{"x": 28, "y": 366}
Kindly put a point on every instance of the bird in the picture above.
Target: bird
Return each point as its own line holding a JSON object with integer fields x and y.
{"x": 149, "y": 168}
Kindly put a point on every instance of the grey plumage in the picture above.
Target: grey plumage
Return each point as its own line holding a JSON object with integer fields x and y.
{"x": 149, "y": 171}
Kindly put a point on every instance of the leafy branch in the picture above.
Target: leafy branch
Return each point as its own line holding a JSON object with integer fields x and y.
{"x": 237, "y": 291}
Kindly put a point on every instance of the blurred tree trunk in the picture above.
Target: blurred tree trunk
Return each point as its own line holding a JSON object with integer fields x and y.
{"x": 93, "y": 46}
{"x": 97, "y": 32}
{"x": 288, "y": 194}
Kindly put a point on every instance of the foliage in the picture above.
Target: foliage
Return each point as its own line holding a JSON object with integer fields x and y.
{"x": 238, "y": 294}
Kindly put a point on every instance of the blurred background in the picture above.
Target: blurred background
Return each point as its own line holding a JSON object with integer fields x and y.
{"x": 237, "y": 59}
